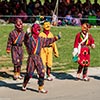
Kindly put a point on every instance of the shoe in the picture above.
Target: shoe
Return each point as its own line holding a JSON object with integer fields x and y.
{"x": 15, "y": 77}
{"x": 86, "y": 79}
{"x": 20, "y": 77}
{"x": 23, "y": 88}
{"x": 43, "y": 91}
{"x": 50, "y": 79}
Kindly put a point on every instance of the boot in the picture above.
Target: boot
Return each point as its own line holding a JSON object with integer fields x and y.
{"x": 42, "y": 90}
{"x": 15, "y": 76}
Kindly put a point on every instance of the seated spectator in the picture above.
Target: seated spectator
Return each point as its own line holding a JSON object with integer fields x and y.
{"x": 68, "y": 18}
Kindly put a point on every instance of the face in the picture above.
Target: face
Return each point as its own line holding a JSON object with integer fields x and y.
{"x": 85, "y": 28}
{"x": 36, "y": 29}
{"x": 19, "y": 25}
{"x": 46, "y": 25}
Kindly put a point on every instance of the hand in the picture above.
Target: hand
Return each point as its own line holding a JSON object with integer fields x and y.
{"x": 93, "y": 46}
{"x": 28, "y": 30}
{"x": 56, "y": 55}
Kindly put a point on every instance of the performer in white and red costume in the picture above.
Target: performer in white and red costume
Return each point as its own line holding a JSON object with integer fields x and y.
{"x": 82, "y": 44}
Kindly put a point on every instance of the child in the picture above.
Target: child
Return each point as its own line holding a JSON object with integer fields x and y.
{"x": 81, "y": 49}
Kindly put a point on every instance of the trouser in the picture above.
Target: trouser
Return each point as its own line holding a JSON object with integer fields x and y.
{"x": 17, "y": 69}
{"x": 27, "y": 78}
{"x": 84, "y": 69}
{"x": 48, "y": 71}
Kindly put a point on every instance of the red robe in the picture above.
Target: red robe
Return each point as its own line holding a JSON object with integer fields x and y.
{"x": 84, "y": 56}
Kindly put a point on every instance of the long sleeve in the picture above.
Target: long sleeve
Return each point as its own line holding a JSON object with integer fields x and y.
{"x": 9, "y": 44}
{"x": 55, "y": 50}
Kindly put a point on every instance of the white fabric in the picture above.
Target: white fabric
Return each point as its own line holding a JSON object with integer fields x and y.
{"x": 79, "y": 45}
{"x": 76, "y": 51}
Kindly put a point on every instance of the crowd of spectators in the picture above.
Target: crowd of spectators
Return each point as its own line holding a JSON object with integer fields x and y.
{"x": 70, "y": 13}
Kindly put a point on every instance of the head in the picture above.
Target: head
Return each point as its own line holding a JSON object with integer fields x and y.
{"x": 19, "y": 24}
{"x": 85, "y": 27}
{"x": 46, "y": 26}
{"x": 35, "y": 29}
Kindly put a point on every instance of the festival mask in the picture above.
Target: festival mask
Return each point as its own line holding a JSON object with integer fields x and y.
{"x": 19, "y": 24}
{"x": 85, "y": 27}
{"x": 35, "y": 29}
{"x": 46, "y": 26}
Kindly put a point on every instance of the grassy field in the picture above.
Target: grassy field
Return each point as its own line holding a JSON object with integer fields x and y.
{"x": 65, "y": 47}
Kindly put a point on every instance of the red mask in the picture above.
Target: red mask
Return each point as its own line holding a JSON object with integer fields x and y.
{"x": 35, "y": 29}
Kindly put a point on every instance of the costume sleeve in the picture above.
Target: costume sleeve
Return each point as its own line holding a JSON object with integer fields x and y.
{"x": 55, "y": 50}
{"x": 76, "y": 42}
{"x": 47, "y": 41}
{"x": 91, "y": 39}
{"x": 9, "y": 44}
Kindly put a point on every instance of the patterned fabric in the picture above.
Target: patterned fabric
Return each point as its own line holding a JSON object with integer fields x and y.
{"x": 14, "y": 45}
{"x": 84, "y": 56}
{"x": 34, "y": 60}
{"x": 47, "y": 52}
{"x": 33, "y": 49}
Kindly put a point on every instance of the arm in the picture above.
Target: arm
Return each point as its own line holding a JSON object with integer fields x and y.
{"x": 92, "y": 41}
{"x": 55, "y": 50}
{"x": 76, "y": 43}
{"x": 9, "y": 44}
{"x": 47, "y": 41}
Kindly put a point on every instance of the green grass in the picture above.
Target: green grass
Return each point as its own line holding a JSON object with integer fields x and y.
{"x": 65, "y": 47}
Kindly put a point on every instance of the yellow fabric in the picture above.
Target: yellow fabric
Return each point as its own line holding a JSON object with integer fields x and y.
{"x": 47, "y": 52}
{"x": 40, "y": 87}
{"x": 16, "y": 74}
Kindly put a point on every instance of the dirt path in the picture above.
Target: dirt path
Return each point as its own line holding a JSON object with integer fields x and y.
{"x": 63, "y": 87}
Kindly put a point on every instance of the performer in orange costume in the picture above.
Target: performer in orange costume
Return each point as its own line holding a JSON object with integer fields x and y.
{"x": 81, "y": 48}
{"x": 47, "y": 52}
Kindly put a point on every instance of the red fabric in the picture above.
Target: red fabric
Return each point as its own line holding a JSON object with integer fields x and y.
{"x": 78, "y": 40}
{"x": 84, "y": 56}
{"x": 46, "y": 32}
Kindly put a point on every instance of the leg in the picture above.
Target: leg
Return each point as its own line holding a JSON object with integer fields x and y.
{"x": 41, "y": 83}
{"x": 79, "y": 72}
{"x": 40, "y": 70}
{"x": 19, "y": 71}
{"x": 48, "y": 74}
{"x": 26, "y": 79}
{"x": 85, "y": 77}
{"x": 15, "y": 72}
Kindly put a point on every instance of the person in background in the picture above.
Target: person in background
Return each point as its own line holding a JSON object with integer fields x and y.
{"x": 47, "y": 52}
{"x": 14, "y": 45}
{"x": 33, "y": 44}
{"x": 83, "y": 42}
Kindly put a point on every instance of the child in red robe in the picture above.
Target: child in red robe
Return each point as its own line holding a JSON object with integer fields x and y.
{"x": 83, "y": 41}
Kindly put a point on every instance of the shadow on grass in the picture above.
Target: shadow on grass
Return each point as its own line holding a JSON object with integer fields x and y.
{"x": 63, "y": 76}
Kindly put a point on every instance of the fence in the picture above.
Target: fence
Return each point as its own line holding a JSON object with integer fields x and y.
{"x": 61, "y": 21}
